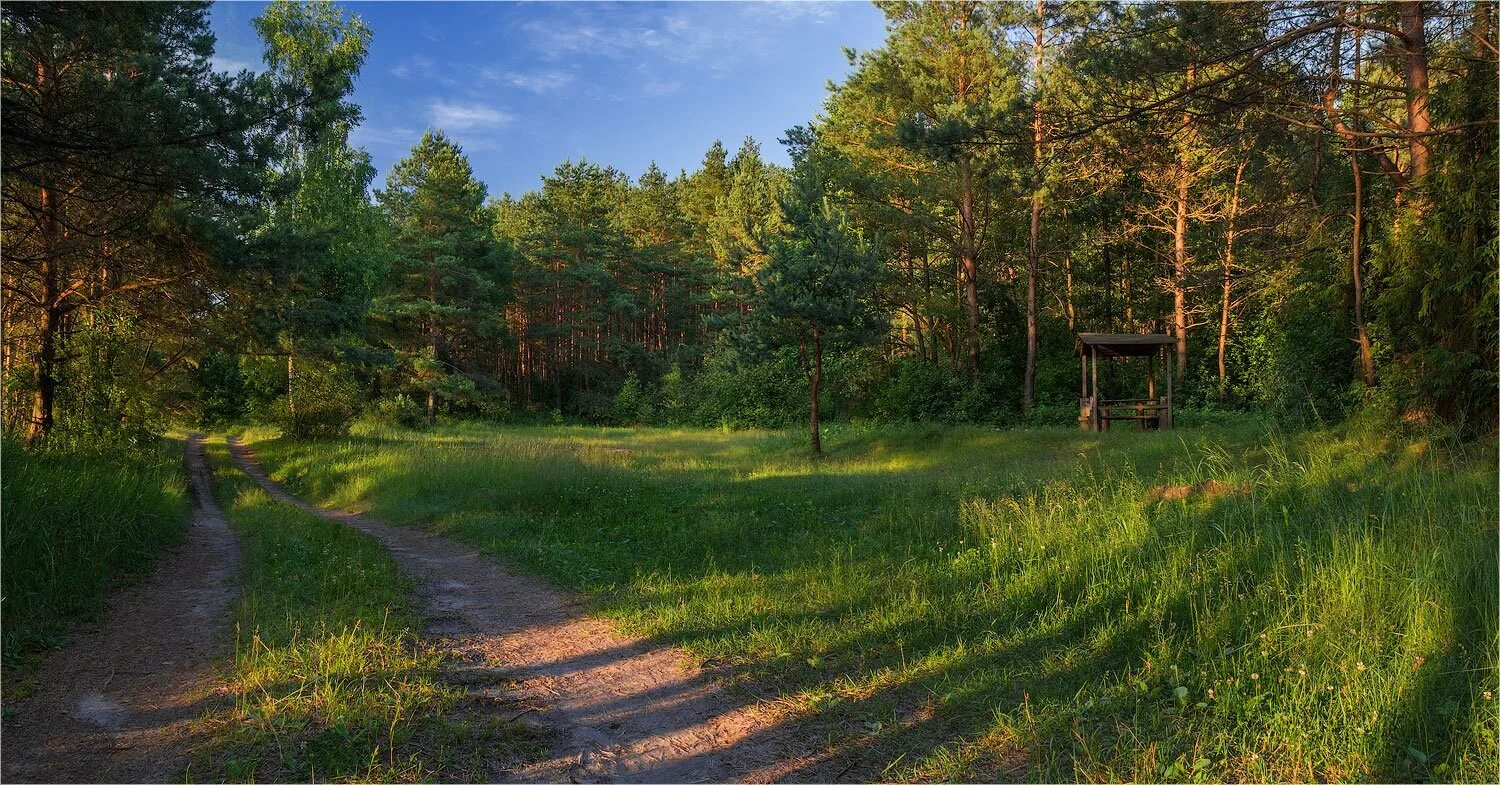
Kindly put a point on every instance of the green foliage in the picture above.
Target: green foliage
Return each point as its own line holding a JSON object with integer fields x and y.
{"x": 131, "y": 172}
{"x": 633, "y": 404}
{"x": 77, "y": 526}
{"x": 675, "y": 397}
{"x": 818, "y": 289}
{"x": 326, "y": 399}
{"x": 917, "y": 391}
{"x": 112, "y": 404}
{"x": 449, "y": 277}
{"x": 732, "y": 391}
{"x": 400, "y": 410}
{"x": 222, "y": 394}
{"x": 1324, "y": 599}
{"x": 322, "y": 400}
{"x": 823, "y": 274}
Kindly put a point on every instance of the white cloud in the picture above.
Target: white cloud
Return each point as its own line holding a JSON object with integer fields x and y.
{"x": 540, "y": 82}
{"x": 793, "y": 10}
{"x": 230, "y": 64}
{"x": 660, "y": 87}
{"x": 416, "y": 65}
{"x": 673, "y": 38}
{"x": 365, "y": 135}
{"x": 464, "y": 117}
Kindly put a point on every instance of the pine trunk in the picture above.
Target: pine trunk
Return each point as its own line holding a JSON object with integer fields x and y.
{"x": 817, "y": 383}
{"x": 1418, "y": 120}
{"x": 1033, "y": 250}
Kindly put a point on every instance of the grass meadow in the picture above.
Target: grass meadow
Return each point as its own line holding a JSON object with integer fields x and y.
{"x": 328, "y": 680}
{"x": 75, "y": 527}
{"x": 1218, "y": 603}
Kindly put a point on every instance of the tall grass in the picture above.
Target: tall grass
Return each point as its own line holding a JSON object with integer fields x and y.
{"x": 75, "y": 526}
{"x": 1233, "y": 603}
{"x": 329, "y": 681}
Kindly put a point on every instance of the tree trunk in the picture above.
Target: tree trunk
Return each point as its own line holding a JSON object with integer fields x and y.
{"x": 968, "y": 264}
{"x": 1179, "y": 274}
{"x": 817, "y": 382}
{"x": 1227, "y": 272}
{"x": 1361, "y": 331}
{"x": 1068, "y": 308}
{"x": 1356, "y": 266}
{"x": 1033, "y": 248}
{"x": 432, "y": 336}
{"x": 49, "y": 325}
{"x": 1418, "y": 121}
{"x": 291, "y": 399}
{"x": 1179, "y": 253}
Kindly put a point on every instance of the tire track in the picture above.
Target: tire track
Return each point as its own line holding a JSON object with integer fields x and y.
{"x": 120, "y": 703}
{"x": 620, "y": 708}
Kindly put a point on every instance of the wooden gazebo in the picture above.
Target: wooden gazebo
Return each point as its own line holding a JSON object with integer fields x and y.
{"x": 1149, "y": 413}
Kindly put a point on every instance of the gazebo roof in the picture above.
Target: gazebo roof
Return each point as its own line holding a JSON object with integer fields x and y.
{"x": 1121, "y": 344}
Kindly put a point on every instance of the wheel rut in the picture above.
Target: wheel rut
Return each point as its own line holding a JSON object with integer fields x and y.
{"x": 619, "y": 709}
{"x": 121, "y": 702}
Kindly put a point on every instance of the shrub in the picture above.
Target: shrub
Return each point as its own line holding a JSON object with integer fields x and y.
{"x": 632, "y": 403}
{"x": 400, "y": 410}
{"x": 324, "y": 400}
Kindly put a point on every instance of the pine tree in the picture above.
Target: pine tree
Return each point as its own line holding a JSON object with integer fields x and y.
{"x": 818, "y": 288}
{"x": 448, "y": 278}
{"x": 129, "y": 165}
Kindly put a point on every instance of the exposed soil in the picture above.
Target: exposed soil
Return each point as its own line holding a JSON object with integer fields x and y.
{"x": 1210, "y": 489}
{"x": 618, "y": 708}
{"x": 120, "y": 704}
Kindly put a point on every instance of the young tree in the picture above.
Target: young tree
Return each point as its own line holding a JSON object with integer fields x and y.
{"x": 448, "y": 279}
{"x": 322, "y": 248}
{"x": 818, "y": 288}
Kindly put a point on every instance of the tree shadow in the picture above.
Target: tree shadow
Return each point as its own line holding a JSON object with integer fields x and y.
{"x": 1068, "y": 673}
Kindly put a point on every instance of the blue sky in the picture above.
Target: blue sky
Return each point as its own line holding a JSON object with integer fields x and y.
{"x": 524, "y": 86}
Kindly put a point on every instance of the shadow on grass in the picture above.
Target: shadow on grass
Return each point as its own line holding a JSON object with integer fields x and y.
{"x": 1060, "y": 669}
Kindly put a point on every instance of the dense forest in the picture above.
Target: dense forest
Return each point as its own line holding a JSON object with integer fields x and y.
{"x": 1302, "y": 193}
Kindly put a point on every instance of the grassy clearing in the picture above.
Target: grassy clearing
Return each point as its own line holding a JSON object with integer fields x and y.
{"x": 75, "y": 528}
{"x": 1207, "y": 604}
{"x": 329, "y": 680}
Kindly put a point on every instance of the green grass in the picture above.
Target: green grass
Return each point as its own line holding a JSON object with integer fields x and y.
{"x": 971, "y": 604}
{"x": 329, "y": 680}
{"x": 76, "y": 527}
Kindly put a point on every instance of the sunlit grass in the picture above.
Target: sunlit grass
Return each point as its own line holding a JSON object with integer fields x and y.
{"x": 75, "y": 526}
{"x": 1205, "y": 604}
{"x": 329, "y": 680}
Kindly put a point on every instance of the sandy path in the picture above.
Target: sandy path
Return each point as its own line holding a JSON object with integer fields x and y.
{"x": 622, "y": 710}
{"x": 119, "y": 703}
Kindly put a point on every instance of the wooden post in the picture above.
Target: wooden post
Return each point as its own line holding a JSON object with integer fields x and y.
{"x": 1083, "y": 391}
{"x": 1169, "y": 389}
{"x": 1094, "y": 399}
{"x": 1083, "y": 376}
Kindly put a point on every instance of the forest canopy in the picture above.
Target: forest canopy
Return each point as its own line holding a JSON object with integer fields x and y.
{"x": 1303, "y": 194}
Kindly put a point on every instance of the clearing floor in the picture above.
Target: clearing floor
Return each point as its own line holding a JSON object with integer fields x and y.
{"x": 619, "y": 708}
{"x": 120, "y": 703}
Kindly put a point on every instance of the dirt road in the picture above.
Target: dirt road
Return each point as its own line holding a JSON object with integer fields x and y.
{"x": 119, "y": 703}
{"x": 620, "y": 709}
